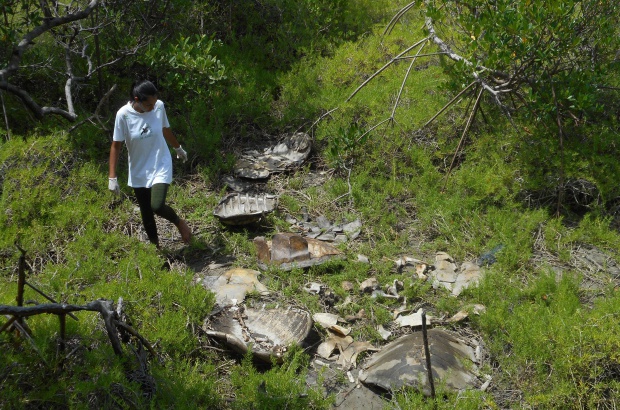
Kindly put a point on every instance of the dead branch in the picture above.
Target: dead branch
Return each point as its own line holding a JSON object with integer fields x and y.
{"x": 469, "y": 121}
{"x": 449, "y": 104}
{"x": 402, "y": 86}
{"x": 104, "y": 307}
{"x": 397, "y": 17}
{"x": 48, "y": 23}
{"x": 385, "y": 66}
{"x": 96, "y": 113}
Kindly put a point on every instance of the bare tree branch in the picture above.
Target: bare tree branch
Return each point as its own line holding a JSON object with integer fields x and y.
{"x": 26, "y": 42}
{"x": 384, "y": 67}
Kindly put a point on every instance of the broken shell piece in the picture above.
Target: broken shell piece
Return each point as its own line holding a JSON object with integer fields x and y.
{"x": 468, "y": 275}
{"x": 347, "y": 286}
{"x": 242, "y": 209}
{"x": 291, "y": 250}
{"x": 334, "y": 341}
{"x": 406, "y": 261}
{"x": 353, "y": 318}
{"x": 379, "y": 293}
{"x": 290, "y": 153}
{"x": 344, "y": 331}
{"x": 326, "y": 348}
{"x": 313, "y": 288}
{"x": 267, "y": 332}
{"x": 329, "y": 321}
{"x": 402, "y": 363}
{"x": 385, "y": 334}
{"x": 486, "y": 384}
{"x": 236, "y": 184}
{"x": 326, "y": 320}
{"x": 460, "y": 315}
{"x": 413, "y": 320}
{"x": 348, "y": 356}
{"x": 420, "y": 270}
{"x": 234, "y": 284}
{"x": 369, "y": 285}
{"x": 394, "y": 288}
{"x": 463, "y": 314}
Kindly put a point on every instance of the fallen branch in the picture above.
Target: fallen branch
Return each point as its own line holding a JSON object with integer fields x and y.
{"x": 104, "y": 307}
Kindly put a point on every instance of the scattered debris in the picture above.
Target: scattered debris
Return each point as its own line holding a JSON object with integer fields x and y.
{"x": 329, "y": 321}
{"x": 369, "y": 285}
{"x": 469, "y": 274}
{"x": 266, "y": 332}
{"x": 290, "y": 153}
{"x": 324, "y": 230}
{"x": 314, "y": 288}
{"x": 488, "y": 258}
{"x": 231, "y": 287}
{"x": 363, "y": 259}
{"x": 379, "y": 293}
{"x": 347, "y": 286}
{"x": 290, "y": 250}
{"x": 358, "y": 316}
{"x": 464, "y": 314}
{"x": 238, "y": 184}
{"x": 413, "y": 320}
{"x": 348, "y": 354}
{"x": 393, "y": 289}
{"x": 326, "y": 349}
{"x": 447, "y": 275}
{"x": 242, "y": 209}
{"x": 402, "y": 363}
{"x": 385, "y": 334}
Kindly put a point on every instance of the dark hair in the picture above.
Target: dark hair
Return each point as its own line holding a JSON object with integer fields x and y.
{"x": 143, "y": 90}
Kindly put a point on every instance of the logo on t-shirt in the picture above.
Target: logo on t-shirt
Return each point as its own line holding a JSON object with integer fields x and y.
{"x": 145, "y": 131}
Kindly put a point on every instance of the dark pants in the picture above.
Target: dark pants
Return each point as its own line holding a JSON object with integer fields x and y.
{"x": 152, "y": 201}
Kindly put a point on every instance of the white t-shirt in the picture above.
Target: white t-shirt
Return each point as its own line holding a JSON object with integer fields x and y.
{"x": 150, "y": 161}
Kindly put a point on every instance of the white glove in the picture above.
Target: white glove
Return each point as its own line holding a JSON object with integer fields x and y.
{"x": 181, "y": 154}
{"x": 114, "y": 186}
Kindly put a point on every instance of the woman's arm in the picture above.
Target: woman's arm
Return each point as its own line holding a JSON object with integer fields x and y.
{"x": 115, "y": 151}
{"x": 170, "y": 138}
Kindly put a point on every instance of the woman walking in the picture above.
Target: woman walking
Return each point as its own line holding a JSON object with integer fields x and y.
{"x": 143, "y": 125}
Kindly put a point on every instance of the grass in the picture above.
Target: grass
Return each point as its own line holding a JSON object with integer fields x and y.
{"x": 551, "y": 344}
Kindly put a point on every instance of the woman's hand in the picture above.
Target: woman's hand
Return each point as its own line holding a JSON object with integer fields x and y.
{"x": 114, "y": 186}
{"x": 181, "y": 154}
